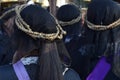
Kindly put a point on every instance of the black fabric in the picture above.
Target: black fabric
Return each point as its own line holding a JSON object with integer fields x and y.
{"x": 7, "y": 73}
{"x": 73, "y": 39}
{"x": 102, "y": 42}
{"x": 67, "y": 13}
{"x": 6, "y": 49}
{"x": 75, "y": 47}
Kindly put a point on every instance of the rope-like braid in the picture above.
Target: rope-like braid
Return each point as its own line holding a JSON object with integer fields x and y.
{"x": 73, "y": 21}
{"x": 103, "y": 27}
{"x": 23, "y": 26}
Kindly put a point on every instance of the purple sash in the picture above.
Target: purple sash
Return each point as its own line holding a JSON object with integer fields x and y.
{"x": 21, "y": 71}
{"x": 100, "y": 71}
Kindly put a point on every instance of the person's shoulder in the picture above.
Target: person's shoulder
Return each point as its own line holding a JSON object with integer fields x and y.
{"x": 71, "y": 75}
{"x": 7, "y": 72}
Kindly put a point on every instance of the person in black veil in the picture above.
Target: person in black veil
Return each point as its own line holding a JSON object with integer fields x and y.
{"x": 6, "y": 21}
{"x": 102, "y": 31}
{"x": 69, "y": 17}
{"x": 39, "y": 51}
{"x": 6, "y": 49}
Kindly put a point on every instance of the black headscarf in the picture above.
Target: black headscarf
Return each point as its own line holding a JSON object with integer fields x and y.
{"x": 51, "y": 57}
{"x": 67, "y": 13}
{"x": 73, "y": 39}
{"x": 103, "y": 12}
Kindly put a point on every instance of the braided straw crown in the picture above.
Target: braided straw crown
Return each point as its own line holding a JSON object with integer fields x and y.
{"x": 23, "y": 26}
{"x": 73, "y": 21}
{"x": 103, "y": 27}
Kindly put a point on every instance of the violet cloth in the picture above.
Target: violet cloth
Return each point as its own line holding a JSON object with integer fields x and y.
{"x": 21, "y": 71}
{"x": 100, "y": 71}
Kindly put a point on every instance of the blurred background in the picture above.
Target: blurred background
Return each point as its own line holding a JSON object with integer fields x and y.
{"x": 80, "y": 3}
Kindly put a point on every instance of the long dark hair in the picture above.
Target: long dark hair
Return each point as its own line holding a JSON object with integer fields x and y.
{"x": 6, "y": 21}
{"x": 50, "y": 62}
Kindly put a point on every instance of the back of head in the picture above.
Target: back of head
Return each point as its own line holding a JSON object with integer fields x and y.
{"x": 68, "y": 12}
{"x": 40, "y": 18}
{"x": 39, "y": 21}
{"x": 102, "y": 12}
{"x": 69, "y": 18}
{"x": 36, "y": 29}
